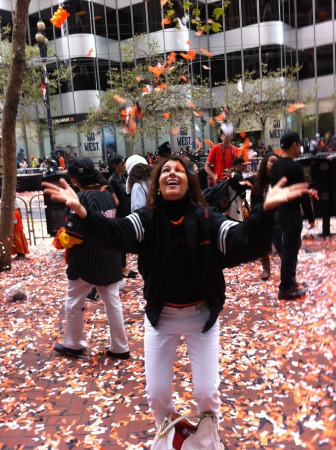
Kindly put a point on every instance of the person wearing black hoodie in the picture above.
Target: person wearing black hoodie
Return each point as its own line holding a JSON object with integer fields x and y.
{"x": 183, "y": 246}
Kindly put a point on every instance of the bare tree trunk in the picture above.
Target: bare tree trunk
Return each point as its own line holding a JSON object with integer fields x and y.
{"x": 10, "y": 110}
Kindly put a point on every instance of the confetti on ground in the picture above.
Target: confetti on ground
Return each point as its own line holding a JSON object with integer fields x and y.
{"x": 277, "y": 361}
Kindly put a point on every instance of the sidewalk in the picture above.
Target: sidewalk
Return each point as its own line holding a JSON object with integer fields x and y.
{"x": 277, "y": 362}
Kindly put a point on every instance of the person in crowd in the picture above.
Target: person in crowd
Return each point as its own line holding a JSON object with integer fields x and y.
{"x": 60, "y": 161}
{"x": 183, "y": 246}
{"x": 162, "y": 152}
{"x": 149, "y": 158}
{"x": 260, "y": 186}
{"x": 288, "y": 216}
{"x": 102, "y": 165}
{"x": 90, "y": 265}
{"x": 139, "y": 173}
{"x": 221, "y": 157}
{"x": 50, "y": 168}
{"x": 313, "y": 144}
{"x": 20, "y": 244}
{"x": 118, "y": 182}
{"x": 237, "y": 190}
{"x": 23, "y": 164}
{"x": 34, "y": 162}
{"x": 185, "y": 154}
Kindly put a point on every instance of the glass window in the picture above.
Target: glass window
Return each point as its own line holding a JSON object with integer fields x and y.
{"x": 249, "y": 12}
{"x": 232, "y": 16}
{"x": 234, "y": 65}
{"x": 154, "y": 16}
{"x": 84, "y": 74}
{"x": 111, "y": 18}
{"x": 324, "y": 60}
{"x": 304, "y": 13}
{"x": 103, "y": 69}
{"x": 99, "y": 20}
{"x": 271, "y": 56}
{"x": 251, "y": 61}
{"x": 217, "y": 70}
{"x": 289, "y": 57}
{"x": 287, "y": 12}
{"x": 323, "y": 11}
{"x": 269, "y": 10}
{"x": 306, "y": 60}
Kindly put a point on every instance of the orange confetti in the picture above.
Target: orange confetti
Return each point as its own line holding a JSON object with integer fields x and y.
{"x": 166, "y": 115}
{"x": 156, "y": 70}
{"x": 119, "y": 99}
{"x": 171, "y": 58}
{"x": 190, "y": 56}
{"x": 199, "y": 114}
{"x": 165, "y": 21}
{"x": 184, "y": 78}
{"x": 188, "y": 43}
{"x": 138, "y": 79}
{"x": 163, "y": 2}
{"x": 211, "y": 122}
{"x": 90, "y": 52}
{"x": 207, "y": 141}
{"x": 192, "y": 105}
{"x": 174, "y": 130}
{"x": 199, "y": 32}
{"x": 206, "y": 52}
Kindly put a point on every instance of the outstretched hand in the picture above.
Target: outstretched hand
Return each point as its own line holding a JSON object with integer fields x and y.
{"x": 280, "y": 193}
{"x": 64, "y": 193}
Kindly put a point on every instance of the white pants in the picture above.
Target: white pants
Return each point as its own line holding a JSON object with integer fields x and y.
{"x": 77, "y": 291}
{"x": 160, "y": 351}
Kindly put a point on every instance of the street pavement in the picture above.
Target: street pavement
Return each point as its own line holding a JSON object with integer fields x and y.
{"x": 277, "y": 377}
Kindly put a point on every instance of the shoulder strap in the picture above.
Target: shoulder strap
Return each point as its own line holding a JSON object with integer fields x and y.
{"x": 165, "y": 427}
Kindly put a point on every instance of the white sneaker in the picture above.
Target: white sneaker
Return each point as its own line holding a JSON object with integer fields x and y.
{"x": 121, "y": 284}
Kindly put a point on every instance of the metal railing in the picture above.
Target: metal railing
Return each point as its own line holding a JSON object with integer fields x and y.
{"x": 33, "y": 218}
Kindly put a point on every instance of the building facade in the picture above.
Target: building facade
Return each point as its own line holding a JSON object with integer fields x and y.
{"x": 276, "y": 32}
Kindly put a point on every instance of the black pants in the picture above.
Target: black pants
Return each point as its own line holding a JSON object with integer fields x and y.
{"x": 289, "y": 227}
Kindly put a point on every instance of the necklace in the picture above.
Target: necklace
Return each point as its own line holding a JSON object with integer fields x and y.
{"x": 178, "y": 222}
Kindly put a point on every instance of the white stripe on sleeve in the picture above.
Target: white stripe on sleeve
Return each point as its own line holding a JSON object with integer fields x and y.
{"x": 222, "y": 233}
{"x": 139, "y": 229}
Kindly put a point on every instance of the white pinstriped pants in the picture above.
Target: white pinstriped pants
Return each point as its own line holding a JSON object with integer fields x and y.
{"x": 160, "y": 351}
{"x": 77, "y": 291}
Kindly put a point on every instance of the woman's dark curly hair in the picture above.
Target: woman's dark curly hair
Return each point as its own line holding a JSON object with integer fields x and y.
{"x": 194, "y": 192}
{"x": 139, "y": 173}
{"x": 262, "y": 179}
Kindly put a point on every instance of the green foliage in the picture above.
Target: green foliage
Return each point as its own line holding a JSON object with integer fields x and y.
{"x": 169, "y": 93}
{"x": 31, "y": 94}
{"x": 266, "y": 97}
{"x": 196, "y": 21}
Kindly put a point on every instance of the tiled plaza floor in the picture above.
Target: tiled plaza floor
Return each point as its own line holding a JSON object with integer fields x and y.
{"x": 277, "y": 362}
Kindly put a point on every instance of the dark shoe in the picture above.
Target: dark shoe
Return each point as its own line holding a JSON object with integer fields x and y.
{"x": 65, "y": 351}
{"x": 265, "y": 274}
{"x": 92, "y": 296}
{"x": 125, "y": 355}
{"x": 131, "y": 274}
{"x": 291, "y": 294}
{"x": 19, "y": 257}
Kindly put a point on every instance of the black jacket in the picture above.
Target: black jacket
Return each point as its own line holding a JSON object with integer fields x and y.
{"x": 215, "y": 242}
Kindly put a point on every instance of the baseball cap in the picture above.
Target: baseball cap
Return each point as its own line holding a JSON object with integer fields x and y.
{"x": 81, "y": 166}
{"x": 163, "y": 149}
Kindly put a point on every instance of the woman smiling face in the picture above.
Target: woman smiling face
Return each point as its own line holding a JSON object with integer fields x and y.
{"x": 173, "y": 181}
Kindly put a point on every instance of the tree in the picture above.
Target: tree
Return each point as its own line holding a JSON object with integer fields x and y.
{"x": 10, "y": 110}
{"x": 256, "y": 100}
{"x": 151, "y": 95}
{"x": 31, "y": 93}
{"x": 194, "y": 15}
